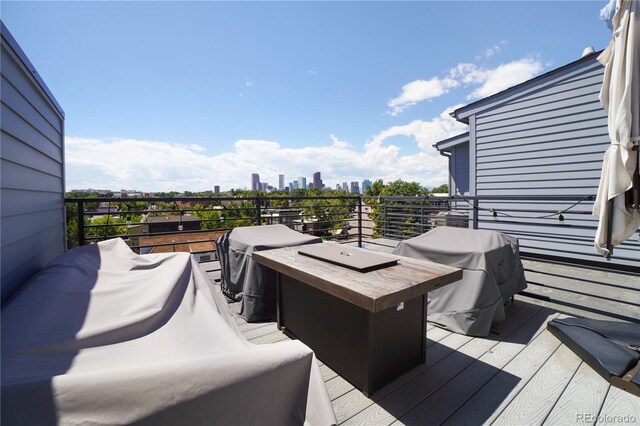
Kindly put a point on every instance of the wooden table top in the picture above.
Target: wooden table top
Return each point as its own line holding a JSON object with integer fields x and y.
{"x": 374, "y": 291}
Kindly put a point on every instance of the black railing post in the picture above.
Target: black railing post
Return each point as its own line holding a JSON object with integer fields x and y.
{"x": 360, "y": 221}
{"x": 80, "y": 213}
{"x": 384, "y": 217}
{"x": 475, "y": 213}
{"x": 258, "y": 212}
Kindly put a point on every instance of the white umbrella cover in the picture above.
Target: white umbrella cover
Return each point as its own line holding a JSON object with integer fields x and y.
{"x": 620, "y": 96}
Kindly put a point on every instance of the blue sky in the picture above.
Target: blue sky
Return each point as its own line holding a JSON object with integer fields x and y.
{"x": 188, "y": 95}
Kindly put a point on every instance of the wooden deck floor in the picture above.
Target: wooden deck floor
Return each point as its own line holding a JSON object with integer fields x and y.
{"x": 519, "y": 375}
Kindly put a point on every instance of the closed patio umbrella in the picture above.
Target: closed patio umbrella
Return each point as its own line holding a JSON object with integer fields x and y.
{"x": 616, "y": 204}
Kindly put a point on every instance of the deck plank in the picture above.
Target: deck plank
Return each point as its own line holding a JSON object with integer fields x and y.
{"x": 435, "y": 334}
{"x": 538, "y": 397}
{"x": 498, "y": 392}
{"x": 619, "y": 407}
{"x": 327, "y": 373}
{"x": 583, "y": 397}
{"x": 355, "y": 401}
{"x": 246, "y": 326}
{"x": 338, "y": 386}
{"x": 260, "y": 331}
{"x": 405, "y": 398}
{"x": 448, "y": 399}
{"x": 590, "y": 303}
{"x": 583, "y": 274}
{"x": 274, "y": 337}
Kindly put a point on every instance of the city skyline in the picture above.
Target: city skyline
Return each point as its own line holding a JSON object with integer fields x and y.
{"x": 301, "y": 183}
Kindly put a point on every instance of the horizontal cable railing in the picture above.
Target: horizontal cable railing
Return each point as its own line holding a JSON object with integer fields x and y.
{"x": 193, "y": 224}
{"x": 547, "y": 226}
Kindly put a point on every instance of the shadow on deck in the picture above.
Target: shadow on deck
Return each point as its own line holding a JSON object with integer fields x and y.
{"x": 519, "y": 374}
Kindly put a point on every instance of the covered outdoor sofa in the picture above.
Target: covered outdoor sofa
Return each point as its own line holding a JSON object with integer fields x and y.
{"x": 105, "y": 336}
{"x": 251, "y": 285}
{"x": 492, "y": 274}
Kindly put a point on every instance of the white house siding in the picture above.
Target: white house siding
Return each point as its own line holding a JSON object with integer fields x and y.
{"x": 31, "y": 169}
{"x": 548, "y": 141}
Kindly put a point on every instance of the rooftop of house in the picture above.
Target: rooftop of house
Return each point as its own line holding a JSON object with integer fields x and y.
{"x": 173, "y": 218}
{"x": 182, "y": 242}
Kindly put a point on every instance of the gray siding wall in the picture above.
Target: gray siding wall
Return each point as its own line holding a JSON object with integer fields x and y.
{"x": 549, "y": 141}
{"x": 32, "y": 172}
{"x": 460, "y": 169}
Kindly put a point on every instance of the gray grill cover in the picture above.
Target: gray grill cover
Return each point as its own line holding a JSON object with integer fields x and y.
{"x": 492, "y": 273}
{"x": 247, "y": 282}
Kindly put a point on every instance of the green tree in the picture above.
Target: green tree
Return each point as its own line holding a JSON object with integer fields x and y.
{"x": 393, "y": 218}
{"x": 71, "y": 211}
{"x": 375, "y": 189}
{"x": 405, "y": 189}
{"x": 209, "y": 218}
{"x": 442, "y": 189}
{"x": 271, "y": 202}
{"x": 103, "y": 228}
{"x": 241, "y": 213}
{"x": 330, "y": 214}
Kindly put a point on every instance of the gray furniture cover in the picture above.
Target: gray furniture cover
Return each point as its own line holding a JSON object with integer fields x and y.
{"x": 492, "y": 274}
{"x": 611, "y": 348}
{"x": 247, "y": 282}
{"x": 105, "y": 336}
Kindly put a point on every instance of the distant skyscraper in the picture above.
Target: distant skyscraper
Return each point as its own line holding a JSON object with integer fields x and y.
{"x": 345, "y": 187}
{"x": 302, "y": 182}
{"x": 294, "y": 184}
{"x": 280, "y": 182}
{"x": 338, "y": 187}
{"x": 317, "y": 181}
{"x": 365, "y": 184}
{"x": 255, "y": 182}
{"x": 264, "y": 186}
{"x": 216, "y": 189}
{"x": 355, "y": 187}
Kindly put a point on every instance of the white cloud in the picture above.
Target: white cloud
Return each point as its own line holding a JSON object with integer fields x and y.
{"x": 507, "y": 75}
{"x": 248, "y": 82}
{"x": 468, "y": 73}
{"x": 493, "y": 50}
{"x": 490, "y": 80}
{"x": 312, "y": 72}
{"x": 116, "y": 163}
{"x": 338, "y": 143}
{"x": 420, "y": 90}
{"x": 426, "y": 133}
{"x": 494, "y": 80}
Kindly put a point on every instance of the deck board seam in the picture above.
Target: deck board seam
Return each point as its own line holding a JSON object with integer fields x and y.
{"x": 604, "y": 400}
{"x": 472, "y": 363}
{"x": 563, "y": 390}
{"x": 502, "y": 338}
{"x": 496, "y": 414}
{"x": 535, "y": 336}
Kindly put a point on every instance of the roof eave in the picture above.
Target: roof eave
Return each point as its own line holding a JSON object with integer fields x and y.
{"x": 452, "y": 141}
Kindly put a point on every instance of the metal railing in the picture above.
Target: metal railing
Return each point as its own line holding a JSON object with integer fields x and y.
{"x": 554, "y": 227}
{"x": 195, "y": 220}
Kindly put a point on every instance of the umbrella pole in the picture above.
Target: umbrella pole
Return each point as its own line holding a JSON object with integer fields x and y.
{"x": 609, "y": 228}
{"x": 636, "y": 180}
